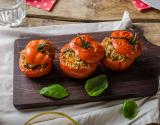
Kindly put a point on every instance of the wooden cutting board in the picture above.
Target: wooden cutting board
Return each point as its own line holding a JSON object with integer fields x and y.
{"x": 140, "y": 80}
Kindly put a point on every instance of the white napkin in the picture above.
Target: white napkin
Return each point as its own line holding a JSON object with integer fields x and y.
{"x": 94, "y": 113}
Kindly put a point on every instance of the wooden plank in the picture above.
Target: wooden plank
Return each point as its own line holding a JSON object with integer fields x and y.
{"x": 93, "y": 10}
{"x": 140, "y": 80}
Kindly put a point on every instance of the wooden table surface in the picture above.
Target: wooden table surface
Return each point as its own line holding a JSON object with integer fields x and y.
{"x": 76, "y": 11}
{"x": 94, "y": 10}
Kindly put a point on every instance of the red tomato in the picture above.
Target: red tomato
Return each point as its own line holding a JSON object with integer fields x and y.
{"x": 129, "y": 35}
{"x": 93, "y": 54}
{"x": 35, "y": 56}
{"x": 36, "y": 59}
{"x": 125, "y": 47}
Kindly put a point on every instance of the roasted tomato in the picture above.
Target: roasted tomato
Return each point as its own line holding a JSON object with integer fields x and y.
{"x": 73, "y": 66}
{"x": 117, "y": 65}
{"x": 87, "y": 49}
{"x": 121, "y": 49}
{"x": 36, "y": 59}
{"x": 131, "y": 38}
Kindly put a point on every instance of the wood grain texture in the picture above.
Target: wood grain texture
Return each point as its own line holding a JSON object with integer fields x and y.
{"x": 93, "y": 10}
{"x": 140, "y": 80}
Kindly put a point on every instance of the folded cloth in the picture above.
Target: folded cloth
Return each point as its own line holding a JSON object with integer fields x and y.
{"x": 42, "y": 4}
{"x": 93, "y": 113}
{"x": 140, "y": 5}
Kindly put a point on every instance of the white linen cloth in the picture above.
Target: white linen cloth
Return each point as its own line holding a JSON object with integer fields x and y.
{"x": 93, "y": 113}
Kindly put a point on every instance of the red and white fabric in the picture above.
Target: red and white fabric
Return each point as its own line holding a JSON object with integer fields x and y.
{"x": 140, "y": 5}
{"x": 42, "y": 4}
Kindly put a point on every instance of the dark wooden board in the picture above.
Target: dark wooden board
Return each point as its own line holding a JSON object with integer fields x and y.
{"x": 140, "y": 80}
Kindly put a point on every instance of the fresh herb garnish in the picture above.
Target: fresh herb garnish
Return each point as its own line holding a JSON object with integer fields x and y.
{"x": 41, "y": 47}
{"x": 129, "y": 109}
{"x": 85, "y": 44}
{"x": 96, "y": 85}
{"x": 134, "y": 40}
{"x": 56, "y": 91}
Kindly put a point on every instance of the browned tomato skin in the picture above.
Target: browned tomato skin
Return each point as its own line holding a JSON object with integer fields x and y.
{"x": 35, "y": 57}
{"x": 93, "y": 54}
{"x": 129, "y": 36}
{"x": 79, "y": 73}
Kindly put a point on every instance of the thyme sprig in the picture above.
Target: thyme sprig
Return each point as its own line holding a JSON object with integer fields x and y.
{"x": 85, "y": 44}
{"x": 134, "y": 40}
{"x": 41, "y": 47}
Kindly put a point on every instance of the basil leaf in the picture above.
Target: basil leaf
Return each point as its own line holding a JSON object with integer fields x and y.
{"x": 130, "y": 109}
{"x": 56, "y": 91}
{"x": 96, "y": 85}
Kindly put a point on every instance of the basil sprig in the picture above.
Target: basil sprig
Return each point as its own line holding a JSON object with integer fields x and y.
{"x": 56, "y": 91}
{"x": 96, "y": 85}
{"x": 129, "y": 109}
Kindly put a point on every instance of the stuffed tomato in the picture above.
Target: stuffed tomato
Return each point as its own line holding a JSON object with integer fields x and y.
{"x": 121, "y": 49}
{"x": 80, "y": 57}
{"x": 36, "y": 58}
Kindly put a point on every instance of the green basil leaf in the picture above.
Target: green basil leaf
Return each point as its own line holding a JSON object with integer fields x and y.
{"x": 96, "y": 85}
{"x": 56, "y": 91}
{"x": 130, "y": 109}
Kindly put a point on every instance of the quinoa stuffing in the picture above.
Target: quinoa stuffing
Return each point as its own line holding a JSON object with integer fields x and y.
{"x": 70, "y": 59}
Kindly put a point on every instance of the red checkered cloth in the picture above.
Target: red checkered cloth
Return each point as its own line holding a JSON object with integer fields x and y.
{"x": 140, "y": 5}
{"x": 42, "y": 4}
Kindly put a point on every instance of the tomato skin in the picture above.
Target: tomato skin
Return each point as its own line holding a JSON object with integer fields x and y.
{"x": 124, "y": 48}
{"x": 31, "y": 55}
{"x": 122, "y": 34}
{"x": 116, "y": 65}
{"x": 91, "y": 55}
{"x": 129, "y": 36}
